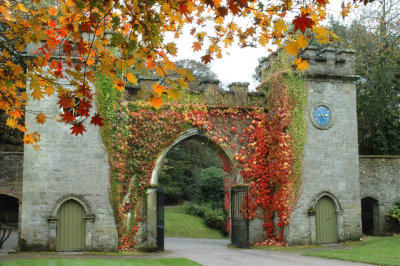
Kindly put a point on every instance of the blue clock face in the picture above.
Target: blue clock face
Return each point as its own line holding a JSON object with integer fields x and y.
{"x": 322, "y": 115}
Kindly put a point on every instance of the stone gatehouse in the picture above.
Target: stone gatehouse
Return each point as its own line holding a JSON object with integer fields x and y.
{"x": 70, "y": 174}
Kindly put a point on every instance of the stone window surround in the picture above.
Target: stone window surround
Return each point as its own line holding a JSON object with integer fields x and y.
{"x": 339, "y": 216}
{"x": 89, "y": 218}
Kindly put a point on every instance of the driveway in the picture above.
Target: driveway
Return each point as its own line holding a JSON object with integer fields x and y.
{"x": 208, "y": 252}
{"x": 212, "y": 252}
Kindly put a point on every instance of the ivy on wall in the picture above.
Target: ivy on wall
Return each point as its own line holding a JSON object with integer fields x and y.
{"x": 266, "y": 148}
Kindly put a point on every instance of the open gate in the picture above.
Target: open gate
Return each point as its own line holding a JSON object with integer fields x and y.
{"x": 160, "y": 219}
{"x": 240, "y": 216}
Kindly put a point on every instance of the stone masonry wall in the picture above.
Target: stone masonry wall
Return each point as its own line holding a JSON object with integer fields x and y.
{"x": 11, "y": 173}
{"x": 66, "y": 166}
{"x": 330, "y": 165}
{"x": 380, "y": 179}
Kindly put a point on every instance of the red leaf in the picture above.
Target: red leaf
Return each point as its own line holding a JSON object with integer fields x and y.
{"x": 65, "y": 101}
{"x": 97, "y": 120}
{"x": 67, "y": 117}
{"x": 234, "y": 7}
{"x": 84, "y": 107}
{"x": 206, "y": 58}
{"x": 77, "y": 129}
{"x": 302, "y": 22}
{"x": 85, "y": 90}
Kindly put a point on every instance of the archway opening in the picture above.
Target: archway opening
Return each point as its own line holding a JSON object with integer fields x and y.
{"x": 195, "y": 176}
{"x": 369, "y": 215}
{"x": 9, "y": 211}
{"x": 71, "y": 226}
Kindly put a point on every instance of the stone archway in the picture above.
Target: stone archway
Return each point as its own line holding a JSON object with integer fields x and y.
{"x": 89, "y": 218}
{"x": 152, "y": 192}
{"x": 370, "y": 216}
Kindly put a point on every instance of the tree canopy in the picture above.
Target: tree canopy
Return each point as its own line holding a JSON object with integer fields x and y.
{"x": 75, "y": 38}
{"x": 375, "y": 35}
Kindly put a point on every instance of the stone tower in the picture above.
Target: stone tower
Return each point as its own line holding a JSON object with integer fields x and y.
{"x": 330, "y": 155}
{"x": 66, "y": 168}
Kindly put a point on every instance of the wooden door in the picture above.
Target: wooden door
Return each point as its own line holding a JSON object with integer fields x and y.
{"x": 325, "y": 216}
{"x": 71, "y": 227}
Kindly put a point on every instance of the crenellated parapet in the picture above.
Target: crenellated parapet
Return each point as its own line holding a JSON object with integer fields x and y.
{"x": 326, "y": 63}
{"x": 330, "y": 62}
{"x": 208, "y": 90}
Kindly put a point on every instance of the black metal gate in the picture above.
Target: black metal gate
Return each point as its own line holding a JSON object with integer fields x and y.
{"x": 160, "y": 219}
{"x": 240, "y": 216}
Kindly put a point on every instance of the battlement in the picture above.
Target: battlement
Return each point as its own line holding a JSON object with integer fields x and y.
{"x": 208, "y": 89}
{"x": 327, "y": 62}
{"x": 330, "y": 61}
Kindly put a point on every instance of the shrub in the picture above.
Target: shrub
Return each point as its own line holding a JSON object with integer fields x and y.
{"x": 211, "y": 187}
{"x": 395, "y": 213}
{"x": 214, "y": 218}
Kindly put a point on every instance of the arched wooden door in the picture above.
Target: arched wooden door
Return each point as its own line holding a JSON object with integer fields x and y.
{"x": 325, "y": 215}
{"x": 71, "y": 227}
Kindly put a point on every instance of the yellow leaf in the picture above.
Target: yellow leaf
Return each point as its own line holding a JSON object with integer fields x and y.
{"x": 263, "y": 40}
{"x": 40, "y": 118}
{"x": 171, "y": 48}
{"x": 36, "y": 147}
{"x": 280, "y": 26}
{"x": 22, "y": 8}
{"x": 11, "y": 122}
{"x": 37, "y": 94}
{"x": 131, "y": 78}
{"x": 292, "y": 48}
{"x": 302, "y": 41}
{"x": 156, "y": 102}
{"x": 173, "y": 94}
{"x": 301, "y": 64}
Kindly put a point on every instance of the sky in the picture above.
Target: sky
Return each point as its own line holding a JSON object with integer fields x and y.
{"x": 240, "y": 64}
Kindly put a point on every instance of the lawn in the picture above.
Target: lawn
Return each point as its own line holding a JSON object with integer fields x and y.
{"x": 180, "y": 224}
{"x": 375, "y": 250}
{"x": 103, "y": 262}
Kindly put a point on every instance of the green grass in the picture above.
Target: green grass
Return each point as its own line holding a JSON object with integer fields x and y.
{"x": 180, "y": 224}
{"x": 375, "y": 250}
{"x": 102, "y": 262}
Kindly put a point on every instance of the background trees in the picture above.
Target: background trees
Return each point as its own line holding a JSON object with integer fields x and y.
{"x": 375, "y": 37}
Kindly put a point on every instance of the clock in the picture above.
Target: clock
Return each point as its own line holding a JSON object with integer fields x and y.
{"x": 322, "y": 116}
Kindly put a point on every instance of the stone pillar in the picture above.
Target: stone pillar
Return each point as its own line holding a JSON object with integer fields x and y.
{"x": 152, "y": 217}
{"x": 89, "y": 219}
{"x": 52, "y": 232}
{"x": 240, "y": 90}
{"x": 210, "y": 87}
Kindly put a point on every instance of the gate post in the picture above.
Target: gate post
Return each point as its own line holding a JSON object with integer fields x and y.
{"x": 240, "y": 216}
{"x": 160, "y": 219}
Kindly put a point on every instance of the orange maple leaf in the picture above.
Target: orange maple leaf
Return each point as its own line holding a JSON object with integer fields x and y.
{"x": 131, "y": 78}
{"x": 196, "y": 46}
{"x": 159, "y": 89}
{"x": 40, "y": 118}
{"x": 156, "y": 102}
{"x": 53, "y": 11}
{"x": 301, "y": 64}
{"x": 119, "y": 84}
